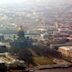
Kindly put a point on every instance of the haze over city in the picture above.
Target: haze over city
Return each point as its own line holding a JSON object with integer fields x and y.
{"x": 35, "y": 35}
{"x": 34, "y": 12}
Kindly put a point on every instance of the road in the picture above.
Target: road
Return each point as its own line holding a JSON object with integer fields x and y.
{"x": 56, "y": 70}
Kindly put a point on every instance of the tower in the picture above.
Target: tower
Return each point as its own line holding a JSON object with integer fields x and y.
{"x": 21, "y": 33}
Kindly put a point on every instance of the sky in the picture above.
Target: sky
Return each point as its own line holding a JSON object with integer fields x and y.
{"x": 21, "y": 1}
{"x": 32, "y": 1}
{"x": 9, "y": 1}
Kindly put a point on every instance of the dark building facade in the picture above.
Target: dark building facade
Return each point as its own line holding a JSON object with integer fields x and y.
{"x": 21, "y": 41}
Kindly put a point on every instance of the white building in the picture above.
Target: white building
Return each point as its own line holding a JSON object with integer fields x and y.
{"x": 66, "y": 51}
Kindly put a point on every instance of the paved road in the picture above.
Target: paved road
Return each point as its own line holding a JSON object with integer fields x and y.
{"x": 56, "y": 70}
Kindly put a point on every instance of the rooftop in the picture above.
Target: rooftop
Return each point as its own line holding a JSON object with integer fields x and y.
{"x": 66, "y": 47}
{"x": 2, "y": 44}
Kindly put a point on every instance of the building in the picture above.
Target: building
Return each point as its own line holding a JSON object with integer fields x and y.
{"x": 21, "y": 41}
{"x": 9, "y": 62}
{"x": 1, "y": 37}
{"x": 3, "y": 48}
{"x": 70, "y": 38}
{"x": 66, "y": 52}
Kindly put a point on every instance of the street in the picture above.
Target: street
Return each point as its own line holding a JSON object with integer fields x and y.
{"x": 56, "y": 70}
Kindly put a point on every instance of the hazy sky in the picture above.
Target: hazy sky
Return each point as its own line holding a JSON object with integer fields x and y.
{"x": 21, "y": 1}
{"x": 9, "y": 1}
{"x": 35, "y": 2}
{"x": 32, "y": 1}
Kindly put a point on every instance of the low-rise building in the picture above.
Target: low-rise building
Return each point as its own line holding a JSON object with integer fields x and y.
{"x": 66, "y": 52}
{"x": 9, "y": 62}
{"x": 3, "y": 48}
